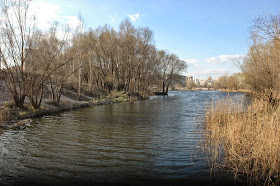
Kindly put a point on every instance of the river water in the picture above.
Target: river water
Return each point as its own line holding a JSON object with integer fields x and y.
{"x": 152, "y": 141}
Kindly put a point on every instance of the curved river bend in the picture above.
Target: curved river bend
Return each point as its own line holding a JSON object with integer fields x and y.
{"x": 151, "y": 141}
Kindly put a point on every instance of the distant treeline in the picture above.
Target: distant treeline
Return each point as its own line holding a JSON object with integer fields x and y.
{"x": 233, "y": 82}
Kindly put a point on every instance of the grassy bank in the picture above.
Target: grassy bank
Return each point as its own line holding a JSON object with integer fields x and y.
{"x": 13, "y": 117}
{"x": 245, "y": 141}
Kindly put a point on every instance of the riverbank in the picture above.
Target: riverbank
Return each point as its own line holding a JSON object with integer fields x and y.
{"x": 238, "y": 90}
{"x": 193, "y": 89}
{"x": 221, "y": 90}
{"x": 13, "y": 117}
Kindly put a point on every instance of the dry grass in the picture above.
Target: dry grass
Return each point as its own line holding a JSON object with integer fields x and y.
{"x": 245, "y": 141}
{"x": 4, "y": 114}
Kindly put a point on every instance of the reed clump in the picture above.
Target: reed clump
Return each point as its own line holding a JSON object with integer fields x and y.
{"x": 4, "y": 114}
{"x": 245, "y": 140}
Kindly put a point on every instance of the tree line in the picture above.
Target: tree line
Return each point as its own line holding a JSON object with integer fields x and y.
{"x": 87, "y": 61}
{"x": 235, "y": 81}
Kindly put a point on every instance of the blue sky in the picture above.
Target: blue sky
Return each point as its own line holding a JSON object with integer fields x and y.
{"x": 211, "y": 35}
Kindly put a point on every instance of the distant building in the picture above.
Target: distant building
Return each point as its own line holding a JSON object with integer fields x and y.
{"x": 189, "y": 79}
{"x": 197, "y": 82}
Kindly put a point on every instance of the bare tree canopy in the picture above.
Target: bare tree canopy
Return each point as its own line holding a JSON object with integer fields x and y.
{"x": 266, "y": 27}
{"x": 86, "y": 61}
{"x": 29, "y": 56}
{"x": 17, "y": 32}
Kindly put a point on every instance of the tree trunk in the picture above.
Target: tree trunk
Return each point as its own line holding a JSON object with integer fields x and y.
{"x": 90, "y": 78}
{"x": 79, "y": 85}
{"x": 19, "y": 100}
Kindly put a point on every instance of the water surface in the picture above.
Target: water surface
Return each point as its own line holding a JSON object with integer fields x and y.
{"x": 151, "y": 141}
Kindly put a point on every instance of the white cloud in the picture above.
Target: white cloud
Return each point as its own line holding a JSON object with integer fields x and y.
{"x": 46, "y": 13}
{"x": 112, "y": 19}
{"x": 133, "y": 17}
{"x": 225, "y": 59}
{"x": 203, "y": 69}
{"x": 72, "y": 21}
{"x": 191, "y": 61}
{"x": 212, "y": 72}
{"x": 202, "y": 73}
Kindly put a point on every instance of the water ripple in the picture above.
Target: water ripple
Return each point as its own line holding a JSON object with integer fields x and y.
{"x": 156, "y": 139}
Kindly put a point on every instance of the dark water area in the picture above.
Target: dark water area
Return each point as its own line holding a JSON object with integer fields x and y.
{"x": 156, "y": 141}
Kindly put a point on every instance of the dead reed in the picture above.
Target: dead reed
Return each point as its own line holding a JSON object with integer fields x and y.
{"x": 245, "y": 140}
{"x": 4, "y": 114}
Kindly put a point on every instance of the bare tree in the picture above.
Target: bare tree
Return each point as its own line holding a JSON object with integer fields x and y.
{"x": 262, "y": 63}
{"x": 170, "y": 66}
{"x": 261, "y": 70}
{"x": 125, "y": 60}
{"x": 17, "y": 30}
{"x": 266, "y": 27}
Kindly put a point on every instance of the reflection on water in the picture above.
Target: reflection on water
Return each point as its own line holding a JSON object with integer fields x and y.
{"x": 156, "y": 140}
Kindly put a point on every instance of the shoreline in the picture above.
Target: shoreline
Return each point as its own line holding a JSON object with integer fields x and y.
{"x": 221, "y": 90}
{"x": 13, "y": 118}
{"x": 16, "y": 118}
{"x": 239, "y": 90}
